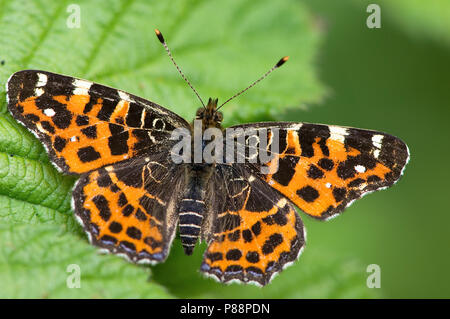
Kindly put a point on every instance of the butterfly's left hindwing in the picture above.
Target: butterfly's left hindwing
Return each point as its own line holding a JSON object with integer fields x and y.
{"x": 323, "y": 169}
{"x": 84, "y": 125}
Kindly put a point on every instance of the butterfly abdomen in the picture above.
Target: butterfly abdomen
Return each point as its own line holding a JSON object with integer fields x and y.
{"x": 192, "y": 205}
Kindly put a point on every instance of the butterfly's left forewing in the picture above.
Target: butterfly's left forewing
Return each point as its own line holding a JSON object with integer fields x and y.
{"x": 85, "y": 125}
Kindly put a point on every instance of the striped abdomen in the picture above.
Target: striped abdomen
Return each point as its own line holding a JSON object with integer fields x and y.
{"x": 192, "y": 206}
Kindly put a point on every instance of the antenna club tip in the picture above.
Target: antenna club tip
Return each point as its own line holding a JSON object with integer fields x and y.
{"x": 159, "y": 35}
{"x": 282, "y": 61}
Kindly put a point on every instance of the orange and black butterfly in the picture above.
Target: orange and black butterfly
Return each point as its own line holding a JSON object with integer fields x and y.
{"x": 131, "y": 197}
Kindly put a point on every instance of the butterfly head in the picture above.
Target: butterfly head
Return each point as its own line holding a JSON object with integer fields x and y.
{"x": 209, "y": 115}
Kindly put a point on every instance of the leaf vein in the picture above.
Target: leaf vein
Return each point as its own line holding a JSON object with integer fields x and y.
{"x": 26, "y": 60}
{"x": 106, "y": 32}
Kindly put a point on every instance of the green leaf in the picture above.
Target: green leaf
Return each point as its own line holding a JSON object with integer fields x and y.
{"x": 35, "y": 262}
{"x": 222, "y": 47}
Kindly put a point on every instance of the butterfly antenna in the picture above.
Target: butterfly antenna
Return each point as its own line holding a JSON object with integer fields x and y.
{"x": 276, "y": 66}
{"x": 161, "y": 39}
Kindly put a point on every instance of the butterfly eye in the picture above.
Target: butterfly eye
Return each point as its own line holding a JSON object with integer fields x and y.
{"x": 218, "y": 117}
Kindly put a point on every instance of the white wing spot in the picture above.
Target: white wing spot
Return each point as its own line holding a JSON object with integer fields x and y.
{"x": 125, "y": 96}
{"x": 81, "y": 87}
{"x": 328, "y": 185}
{"x": 376, "y": 153}
{"x": 360, "y": 168}
{"x": 38, "y": 92}
{"x": 338, "y": 133}
{"x": 42, "y": 80}
{"x": 73, "y": 139}
{"x": 49, "y": 112}
{"x": 377, "y": 140}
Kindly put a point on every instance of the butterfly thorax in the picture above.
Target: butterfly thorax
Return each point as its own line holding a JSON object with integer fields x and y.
{"x": 209, "y": 115}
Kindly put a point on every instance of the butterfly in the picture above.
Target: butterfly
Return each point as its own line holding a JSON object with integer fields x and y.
{"x": 131, "y": 197}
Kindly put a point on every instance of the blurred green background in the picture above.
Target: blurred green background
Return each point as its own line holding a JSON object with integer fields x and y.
{"x": 394, "y": 79}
